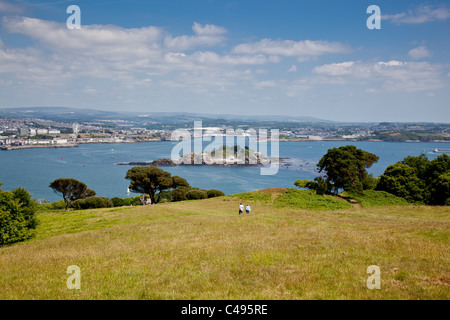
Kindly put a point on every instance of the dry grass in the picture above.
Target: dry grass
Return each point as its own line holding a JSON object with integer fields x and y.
{"x": 204, "y": 250}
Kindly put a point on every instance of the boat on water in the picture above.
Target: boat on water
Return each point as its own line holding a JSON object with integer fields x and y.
{"x": 441, "y": 151}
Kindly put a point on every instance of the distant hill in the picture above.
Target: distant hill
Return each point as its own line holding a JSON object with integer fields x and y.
{"x": 75, "y": 114}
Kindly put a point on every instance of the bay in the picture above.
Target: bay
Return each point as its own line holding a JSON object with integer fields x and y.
{"x": 95, "y": 165}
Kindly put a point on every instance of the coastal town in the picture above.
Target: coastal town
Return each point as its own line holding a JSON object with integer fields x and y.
{"x": 17, "y": 133}
{"x": 23, "y": 133}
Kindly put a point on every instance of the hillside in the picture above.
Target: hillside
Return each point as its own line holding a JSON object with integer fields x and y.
{"x": 202, "y": 249}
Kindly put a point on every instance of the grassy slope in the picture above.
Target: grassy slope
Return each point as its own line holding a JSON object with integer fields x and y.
{"x": 204, "y": 250}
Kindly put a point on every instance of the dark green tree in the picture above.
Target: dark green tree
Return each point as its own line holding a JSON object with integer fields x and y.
{"x": 179, "y": 182}
{"x": 71, "y": 190}
{"x": 17, "y": 216}
{"x": 29, "y": 206}
{"x": 345, "y": 168}
{"x": 437, "y": 179}
{"x": 401, "y": 180}
{"x": 419, "y": 180}
{"x": 152, "y": 181}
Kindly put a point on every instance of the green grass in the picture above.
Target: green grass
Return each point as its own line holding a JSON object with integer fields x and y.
{"x": 204, "y": 250}
{"x": 307, "y": 199}
{"x": 372, "y": 198}
{"x": 253, "y": 196}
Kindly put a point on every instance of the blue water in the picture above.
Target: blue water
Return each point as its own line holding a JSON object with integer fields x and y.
{"x": 94, "y": 164}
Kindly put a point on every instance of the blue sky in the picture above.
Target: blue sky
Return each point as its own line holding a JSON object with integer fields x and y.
{"x": 300, "y": 58}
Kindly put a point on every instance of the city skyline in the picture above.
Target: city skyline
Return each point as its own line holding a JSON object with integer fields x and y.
{"x": 315, "y": 59}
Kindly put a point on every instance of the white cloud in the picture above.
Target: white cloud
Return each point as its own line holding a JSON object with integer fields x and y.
{"x": 114, "y": 53}
{"x": 421, "y": 14}
{"x": 395, "y": 76}
{"x": 335, "y": 69}
{"x": 208, "y": 29}
{"x": 419, "y": 53}
{"x": 207, "y": 35}
{"x": 301, "y": 49}
{"x": 93, "y": 39}
{"x": 293, "y": 68}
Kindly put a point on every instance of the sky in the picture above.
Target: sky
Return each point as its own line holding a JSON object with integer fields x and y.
{"x": 250, "y": 57}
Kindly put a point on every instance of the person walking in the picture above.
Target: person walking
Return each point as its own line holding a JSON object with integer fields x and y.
{"x": 241, "y": 208}
{"x": 248, "y": 209}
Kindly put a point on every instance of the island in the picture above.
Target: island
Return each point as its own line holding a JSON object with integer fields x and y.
{"x": 229, "y": 156}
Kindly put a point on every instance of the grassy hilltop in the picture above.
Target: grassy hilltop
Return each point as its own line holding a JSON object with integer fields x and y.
{"x": 202, "y": 249}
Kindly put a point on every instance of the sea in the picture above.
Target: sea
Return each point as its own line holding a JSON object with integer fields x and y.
{"x": 96, "y": 166}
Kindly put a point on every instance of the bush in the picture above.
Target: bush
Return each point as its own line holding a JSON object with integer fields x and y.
{"x": 92, "y": 203}
{"x": 121, "y": 202}
{"x": 165, "y": 196}
{"x": 118, "y": 202}
{"x": 212, "y": 193}
{"x": 58, "y": 205}
{"x": 17, "y": 216}
{"x": 196, "y": 195}
{"x": 179, "y": 194}
{"x": 29, "y": 206}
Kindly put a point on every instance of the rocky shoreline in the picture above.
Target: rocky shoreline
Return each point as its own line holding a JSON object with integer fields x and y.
{"x": 38, "y": 146}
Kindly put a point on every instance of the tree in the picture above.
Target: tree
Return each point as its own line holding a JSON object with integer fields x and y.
{"x": 401, "y": 180}
{"x": 437, "y": 178}
{"x": 417, "y": 179}
{"x": 71, "y": 190}
{"x": 345, "y": 168}
{"x": 152, "y": 181}
{"x": 29, "y": 206}
{"x": 17, "y": 216}
{"x": 179, "y": 182}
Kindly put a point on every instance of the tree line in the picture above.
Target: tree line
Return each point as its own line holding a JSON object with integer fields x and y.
{"x": 416, "y": 178}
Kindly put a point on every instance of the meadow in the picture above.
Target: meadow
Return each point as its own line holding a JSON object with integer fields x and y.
{"x": 286, "y": 248}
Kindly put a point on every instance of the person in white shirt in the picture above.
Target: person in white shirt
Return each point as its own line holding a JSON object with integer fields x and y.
{"x": 241, "y": 208}
{"x": 248, "y": 209}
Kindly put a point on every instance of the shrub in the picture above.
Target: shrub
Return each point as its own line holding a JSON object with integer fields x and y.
{"x": 118, "y": 202}
{"x": 214, "y": 193}
{"x": 165, "y": 195}
{"x": 17, "y": 216}
{"x": 196, "y": 195}
{"x": 58, "y": 205}
{"x": 92, "y": 203}
{"x": 179, "y": 194}
{"x": 29, "y": 206}
{"x": 136, "y": 201}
